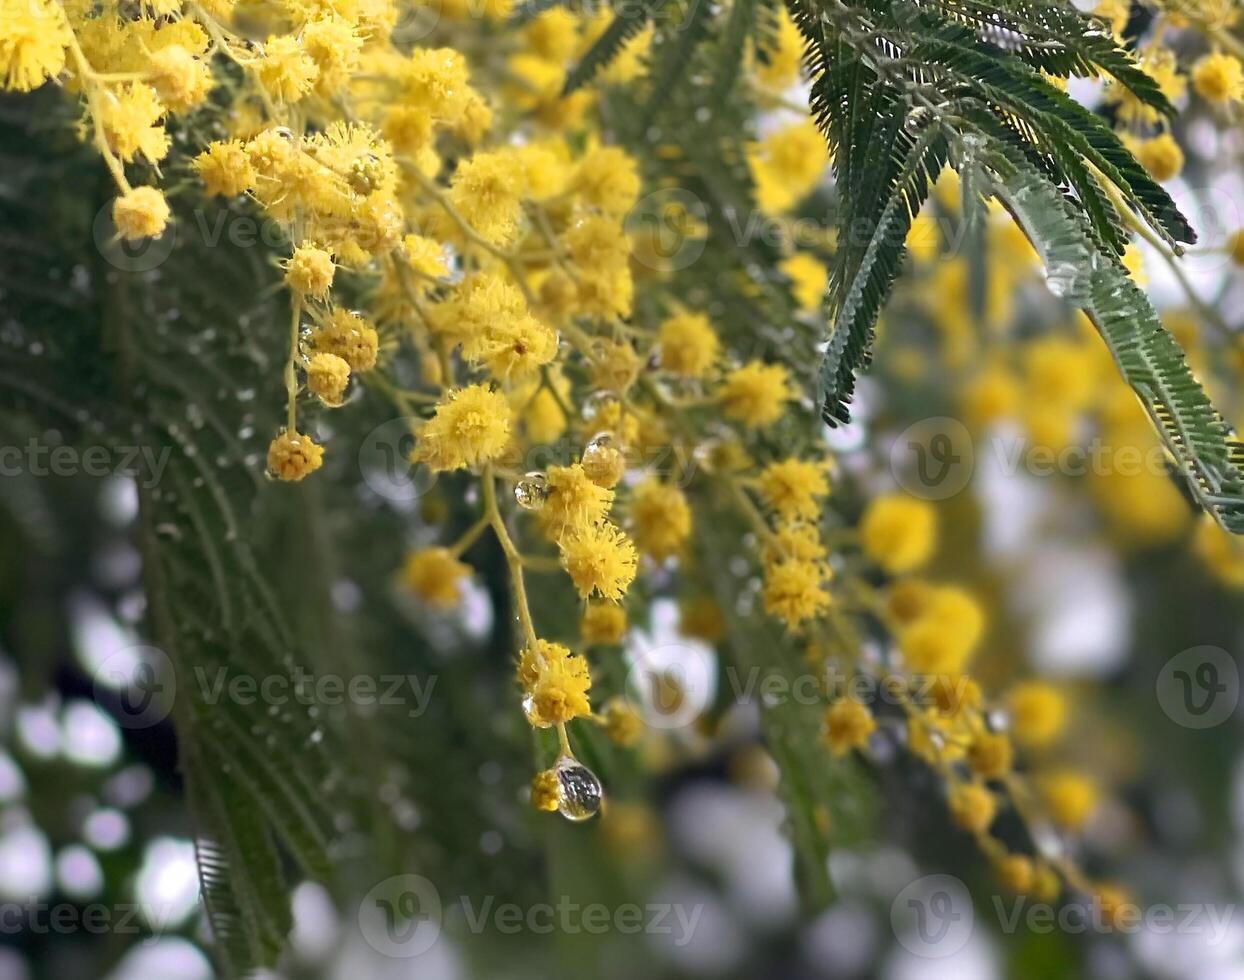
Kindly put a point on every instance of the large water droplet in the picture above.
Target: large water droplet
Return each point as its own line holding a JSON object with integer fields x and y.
{"x": 579, "y": 793}
{"x": 532, "y": 490}
{"x": 597, "y": 402}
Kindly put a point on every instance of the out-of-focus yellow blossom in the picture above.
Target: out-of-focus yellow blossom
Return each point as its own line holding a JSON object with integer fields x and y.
{"x": 942, "y": 638}
{"x": 990, "y": 755}
{"x": 787, "y": 165}
{"x": 622, "y": 725}
{"x": 660, "y": 519}
{"x": 973, "y": 807}
{"x": 1161, "y": 156}
{"x": 794, "y": 590}
{"x": 1038, "y": 712}
{"x": 435, "y": 575}
{"x": 847, "y": 725}
{"x": 688, "y": 345}
{"x": 779, "y": 68}
{"x": 1221, "y": 551}
{"x": 993, "y": 394}
{"x": 1069, "y": 796}
{"x": 794, "y": 487}
{"x": 899, "y": 533}
{"x": 755, "y": 394}
{"x": 603, "y": 622}
{"x": 808, "y": 277}
{"x": 924, "y": 238}
{"x": 1219, "y": 78}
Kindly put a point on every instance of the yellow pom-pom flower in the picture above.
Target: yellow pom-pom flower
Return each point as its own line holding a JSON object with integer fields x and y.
{"x": 793, "y": 591}
{"x": 351, "y": 337}
{"x": 990, "y": 755}
{"x": 1015, "y": 872}
{"x": 471, "y": 426}
{"x": 1219, "y": 78}
{"x": 545, "y": 791}
{"x": 899, "y": 533}
{"x": 794, "y": 487}
{"x": 660, "y": 519}
{"x": 973, "y": 807}
{"x": 603, "y": 623}
{"x": 328, "y": 376}
{"x": 1038, "y": 712}
{"x": 33, "y": 37}
{"x": 608, "y": 179}
{"x": 755, "y": 394}
{"x": 225, "y": 169}
{"x": 435, "y": 575}
{"x": 292, "y": 455}
{"x": 310, "y": 271}
{"x": 847, "y": 725}
{"x": 286, "y": 71}
{"x": 1070, "y": 797}
{"x": 485, "y": 190}
{"x": 599, "y": 559}
{"x": 1161, "y": 156}
{"x": 555, "y": 684}
{"x": 687, "y": 344}
{"x": 140, "y": 213}
{"x": 572, "y": 501}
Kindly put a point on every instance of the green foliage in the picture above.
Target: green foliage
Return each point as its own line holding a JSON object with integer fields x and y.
{"x": 627, "y": 23}
{"x": 902, "y": 89}
{"x": 1147, "y": 356}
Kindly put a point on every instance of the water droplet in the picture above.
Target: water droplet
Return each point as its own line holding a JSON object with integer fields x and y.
{"x": 529, "y": 712}
{"x": 597, "y": 402}
{"x": 579, "y": 793}
{"x": 532, "y": 490}
{"x": 601, "y": 442}
{"x": 1061, "y": 278}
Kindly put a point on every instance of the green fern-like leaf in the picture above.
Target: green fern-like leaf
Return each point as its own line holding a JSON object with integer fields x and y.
{"x": 625, "y": 25}
{"x": 1148, "y": 357}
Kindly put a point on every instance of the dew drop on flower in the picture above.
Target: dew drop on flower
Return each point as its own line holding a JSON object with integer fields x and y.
{"x": 599, "y": 448}
{"x": 531, "y": 491}
{"x": 597, "y": 402}
{"x": 579, "y": 792}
